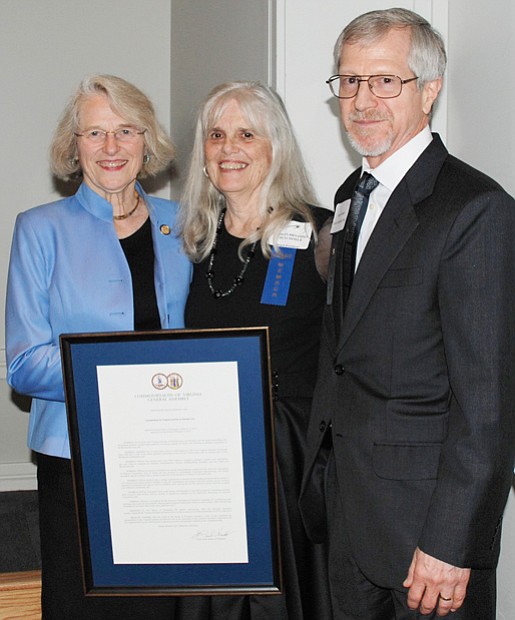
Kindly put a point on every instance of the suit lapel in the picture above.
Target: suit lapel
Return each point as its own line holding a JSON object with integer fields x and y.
{"x": 394, "y": 228}
{"x": 334, "y": 280}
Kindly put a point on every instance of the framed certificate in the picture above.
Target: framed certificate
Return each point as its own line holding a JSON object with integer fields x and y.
{"x": 173, "y": 462}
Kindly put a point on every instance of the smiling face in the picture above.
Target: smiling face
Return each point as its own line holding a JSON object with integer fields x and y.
{"x": 237, "y": 158}
{"x": 111, "y": 167}
{"x": 379, "y": 127}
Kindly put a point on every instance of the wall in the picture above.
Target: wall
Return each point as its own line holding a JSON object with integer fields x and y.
{"x": 224, "y": 51}
{"x": 46, "y": 48}
{"x": 481, "y": 127}
{"x": 481, "y": 69}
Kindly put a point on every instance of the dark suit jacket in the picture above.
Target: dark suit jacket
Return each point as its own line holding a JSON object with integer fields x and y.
{"x": 418, "y": 380}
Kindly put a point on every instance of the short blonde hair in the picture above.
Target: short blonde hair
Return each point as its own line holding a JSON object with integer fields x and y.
{"x": 128, "y": 102}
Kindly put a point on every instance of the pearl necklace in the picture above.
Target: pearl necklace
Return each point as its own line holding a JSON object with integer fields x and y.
{"x": 124, "y": 216}
{"x": 210, "y": 274}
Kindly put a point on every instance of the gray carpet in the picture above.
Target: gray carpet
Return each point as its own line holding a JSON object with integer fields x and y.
{"x": 19, "y": 533}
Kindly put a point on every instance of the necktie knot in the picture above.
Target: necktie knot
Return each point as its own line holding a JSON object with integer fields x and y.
{"x": 358, "y": 207}
{"x": 367, "y": 184}
{"x": 359, "y": 201}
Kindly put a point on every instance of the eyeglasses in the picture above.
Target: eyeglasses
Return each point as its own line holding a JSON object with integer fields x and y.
{"x": 99, "y": 136}
{"x": 382, "y": 86}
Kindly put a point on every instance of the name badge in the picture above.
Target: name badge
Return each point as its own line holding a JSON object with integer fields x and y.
{"x": 278, "y": 277}
{"x": 340, "y": 216}
{"x": 294, "y": 235}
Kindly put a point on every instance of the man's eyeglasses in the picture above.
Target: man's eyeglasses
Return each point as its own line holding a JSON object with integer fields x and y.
{"x": 99, "y": 136}
{"x": 382, "y": 86}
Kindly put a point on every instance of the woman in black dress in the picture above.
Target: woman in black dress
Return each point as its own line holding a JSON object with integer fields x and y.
{"x": 248, "y": 225}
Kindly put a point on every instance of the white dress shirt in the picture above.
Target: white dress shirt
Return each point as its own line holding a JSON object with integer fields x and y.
{"x": 389, "y": 175}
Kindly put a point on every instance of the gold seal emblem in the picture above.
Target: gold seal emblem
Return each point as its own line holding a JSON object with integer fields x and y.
{"x": 160, "y": 381}
{"x": 174, "y": 381}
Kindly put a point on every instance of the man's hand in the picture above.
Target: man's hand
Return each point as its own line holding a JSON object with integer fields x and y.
{"x": 434, "y": 584}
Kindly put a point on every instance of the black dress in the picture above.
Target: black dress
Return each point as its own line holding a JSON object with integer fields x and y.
{"x": 294, "y": 338}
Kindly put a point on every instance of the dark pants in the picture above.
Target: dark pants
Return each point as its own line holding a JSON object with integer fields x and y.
{"x": 354, "y": 597}
{"x": 62, "y": 596}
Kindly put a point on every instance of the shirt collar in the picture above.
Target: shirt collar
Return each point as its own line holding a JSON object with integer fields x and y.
{"x": 98, "y": 206}
{"x": 390, "y": 172}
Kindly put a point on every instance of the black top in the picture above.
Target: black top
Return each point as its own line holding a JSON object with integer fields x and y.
{"x": 139, "y": 252}
{"x": 294, "y": 328}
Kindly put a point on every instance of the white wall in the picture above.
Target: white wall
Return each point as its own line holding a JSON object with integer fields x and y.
{"x": 481, "y": 130}
{"x": 481, "y": 122}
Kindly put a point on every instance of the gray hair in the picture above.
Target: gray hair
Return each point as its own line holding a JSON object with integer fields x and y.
{"x": 427, "y": 58}
{"x": 125, "y": 100}
{"x": 286, "y": 191}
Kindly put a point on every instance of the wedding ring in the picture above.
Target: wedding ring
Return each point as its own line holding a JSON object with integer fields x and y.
{"x": 445, "y": 599}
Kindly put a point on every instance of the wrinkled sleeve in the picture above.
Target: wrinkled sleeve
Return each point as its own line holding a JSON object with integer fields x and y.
{"x": 32, "y": 347}
{"x": 477, "y": 305}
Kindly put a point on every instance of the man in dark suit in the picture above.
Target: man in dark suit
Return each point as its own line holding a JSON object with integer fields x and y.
{"x": 411, "y": 442}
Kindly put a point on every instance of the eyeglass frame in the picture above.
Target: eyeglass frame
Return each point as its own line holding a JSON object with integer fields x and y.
{"x": 114, "y": 132}
{"x": 367, "y": 78}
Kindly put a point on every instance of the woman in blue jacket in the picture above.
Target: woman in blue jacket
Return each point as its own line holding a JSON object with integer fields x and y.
{"x": 105, "y": 259}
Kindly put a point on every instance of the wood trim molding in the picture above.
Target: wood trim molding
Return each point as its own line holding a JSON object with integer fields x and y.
{"x": 20, "y": 595}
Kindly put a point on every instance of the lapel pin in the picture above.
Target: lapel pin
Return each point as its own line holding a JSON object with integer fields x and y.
{"x": 165, "y": 229}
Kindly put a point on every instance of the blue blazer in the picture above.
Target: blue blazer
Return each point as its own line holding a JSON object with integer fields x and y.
{"x": 68, "y": 273}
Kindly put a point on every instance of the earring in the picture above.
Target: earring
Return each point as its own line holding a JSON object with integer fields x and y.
{"x": 74, "y": 161}
{"x": 204, "y": 170}
{"x": 146, "y": 158}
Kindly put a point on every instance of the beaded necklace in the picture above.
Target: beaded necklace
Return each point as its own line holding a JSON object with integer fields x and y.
{"x": 210, "y": 274}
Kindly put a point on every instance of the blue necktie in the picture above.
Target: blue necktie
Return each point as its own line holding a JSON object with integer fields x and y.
{"x": 358, "y": 208}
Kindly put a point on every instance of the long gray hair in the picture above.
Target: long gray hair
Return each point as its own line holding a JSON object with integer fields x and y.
{"x": 287, "y": 190}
